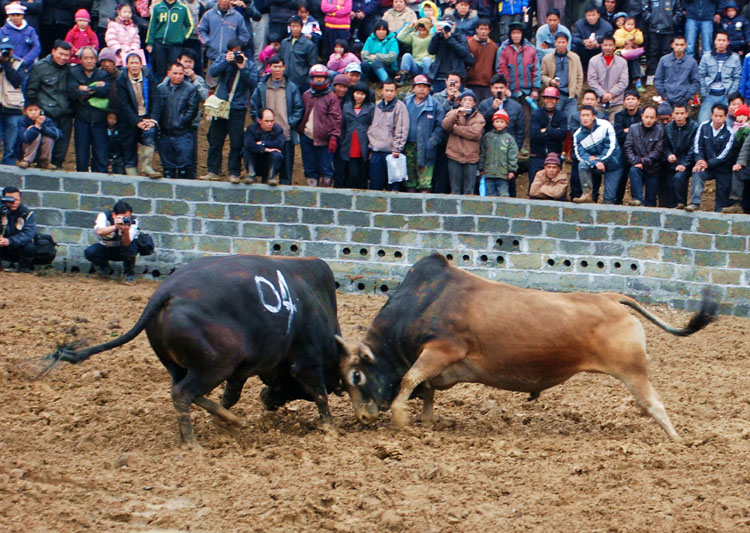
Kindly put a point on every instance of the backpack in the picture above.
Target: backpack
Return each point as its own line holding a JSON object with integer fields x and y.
{"x": 145, "y": 244}
{"x": 44, "y": 249}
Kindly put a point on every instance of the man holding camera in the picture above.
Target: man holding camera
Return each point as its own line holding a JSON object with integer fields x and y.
{"x": 451, "y": 53}
{"x": 17, "y": 231}
{"x": 117, "y": 231}
{"x": 12, "y": 74}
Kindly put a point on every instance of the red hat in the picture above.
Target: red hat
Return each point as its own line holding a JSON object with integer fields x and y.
{"x": 501, "y": 113}
{"x": 552, "y": 92}
{"x": 742, "y": 110}
{"x": 421, "y": 79}
{"x": 82, "y": 14}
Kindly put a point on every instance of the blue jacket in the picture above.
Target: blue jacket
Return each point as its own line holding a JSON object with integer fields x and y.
{"x": 582, "y": 30}
{"x": 599, "y": 141}
{"x": 677, "y": 80}
{"x": 430, "y": 132}
{"x": 744, "y": 88}
{"x": 225, "y": 72}
{"x": 27, "y": 132}
{"x": 20, "y": 233}
{"x": 512, "y": 7}
{"x": 738, "y": 28}
{"x": 368, "y": 7}
{"x": 25, "y": 42}
{"x": 730, "y": 72}
{"x": 714, "y": 149}
{"x": 700, "y": 9}
{"x": 217, "y": 28}
{"x": 294, "y": 107}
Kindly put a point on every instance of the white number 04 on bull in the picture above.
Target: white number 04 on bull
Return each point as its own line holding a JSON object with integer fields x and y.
{"x": 282, "y": 298}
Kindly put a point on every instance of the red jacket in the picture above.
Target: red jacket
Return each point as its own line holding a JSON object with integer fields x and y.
{"x": 327, "y": 117}
{"x": 519, "y": 67}
{"x": 78, "y": 39}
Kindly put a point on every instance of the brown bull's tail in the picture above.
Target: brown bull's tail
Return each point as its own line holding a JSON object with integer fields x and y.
{"x": 68, "y": 353}
{"x": 702, "y": 318}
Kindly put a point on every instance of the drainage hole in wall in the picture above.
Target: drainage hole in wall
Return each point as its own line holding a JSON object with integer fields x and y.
{"x": 363, "y": 251}
{"x": 294, "y": 247}
{"x": 384, "y": 288}
{"x": 584, "y": 264}
{"x": 499, "y": 242}
{"x": 155, "y": 273}
{"x": 449, "y": 257}
{"x": 566, "y": 262}
{"x": 599, "y": 264}
{"x": 360, "y": 286}
{"x": 398, "y": 255}
{"x": 516, "y": 243}
{"x": 617, "y": 264}
{"x": 276, "y": 247}
{"x": 633, "y": 267}
{"x": 551, "y": 262}
{"x": 381, "y": 253}
{"x": 500, "y": 260}
{"x": 75, "y": 270}
{"x": 466, "y": 258}
{"x": 483, "y": 258}
{"x": 346, "y": 251}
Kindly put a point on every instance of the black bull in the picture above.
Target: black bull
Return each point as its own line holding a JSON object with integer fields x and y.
{"x": 228, "y": 318}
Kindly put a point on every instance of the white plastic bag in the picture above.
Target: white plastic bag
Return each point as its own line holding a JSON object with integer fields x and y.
{"x": 396, "y": 168}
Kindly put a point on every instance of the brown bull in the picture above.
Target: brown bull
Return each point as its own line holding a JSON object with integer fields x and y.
{"x": 445, "y": 326}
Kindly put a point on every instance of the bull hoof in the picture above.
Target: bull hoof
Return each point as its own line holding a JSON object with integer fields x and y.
{"x": 269, "y": 402}
{"x": 399, "y": 417}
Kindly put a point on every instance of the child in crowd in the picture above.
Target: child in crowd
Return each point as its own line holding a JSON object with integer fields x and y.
{"x": 36, "y": 138}
{"x": 337, "y": 20}
{"x": 498, "y": 158}
{"x": 81, "y": 35}
{"x": 417, "y": 36}
{"x": 310, "y": 26}
{"x": 399, "y": 15}
{"x": 380, "y": 54}
{"x": 737, "y": 27}
{"x": 629, "y": 42}
{"x": 122, "y": 35}
{"x": 115, "y": 160}
{"x": 356, "y": 117}
{"x": 273, "y": 47}
{"x": 341, "y": 57}
{"x": 550, "y": 183}
{"x": 429, "y": 10}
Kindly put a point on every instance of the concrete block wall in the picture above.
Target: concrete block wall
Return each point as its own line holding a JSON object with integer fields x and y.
{"x": 371, "y": 238}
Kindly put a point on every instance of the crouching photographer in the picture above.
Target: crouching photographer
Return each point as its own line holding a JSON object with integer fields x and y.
{"x": 119, "y": 240}
{"x": 18, "y": 229}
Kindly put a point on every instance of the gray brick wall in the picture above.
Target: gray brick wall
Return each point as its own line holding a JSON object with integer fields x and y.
{"x": 370, "y": 238}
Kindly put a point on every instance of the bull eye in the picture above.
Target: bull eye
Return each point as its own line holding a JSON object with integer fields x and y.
{"x": 356, "y": 378}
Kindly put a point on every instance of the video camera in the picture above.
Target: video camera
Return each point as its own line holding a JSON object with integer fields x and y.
{"x": 445, "y": 27}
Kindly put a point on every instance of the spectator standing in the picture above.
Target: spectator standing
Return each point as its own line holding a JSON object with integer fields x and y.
{"x": 511, "y": 12}
{"x": 676, "y": 78}
{"x": 547, "y": 33}
{"x": 608, "y": 77}
{"x": 115, "y": 161}
{"x": 597, "y": 152}
{"x": 623, "y": 121}
{"x": 299, "y": 54}
{"x": 499, "y": 100}
{"x": 380, "y": 54}
{"x": 12, "y": 76}
{"x": 498, "y": 157}
{"x": 81, "y": 35}
{"x": 563, "y": 71}
{"x": 217, "y": 27}
{"x": 425, "y": 135}
{"x": 644, "y": 149}
{"x": 122, "y": 35}
{"x": 588, "y": 33}
{"x": 103, "y": 11}
{"x": 387, "y": 135}
{"x": 700, "y": 16}
{"x": 356, "y": 117}
{"x": 451, "y": 54}
{"x": 237, "y": 77}
{"x": 197, "y": 9}
{"x": 447, "y": 99}
{"x": 37, "y": 135}
{"x": 679, "y": 136}
{"x": 23, "y": 37}
{"x": 550, "y": 183}
{"x": 48, "y": 85}
{"x": 169, "y": 26}
{"x": 465, "y": 126}
{"x": 279, "y": 94}
{"x": 32, "y": 11}
{"x": 264, "y": 145}
{"x": 737, "y": 28}
{"x": 609, "y": 11}
{"x": 136, "y": 90}
{"x": 719, "y": 72}
{"x": 484, "y": 51}
{"x": 417, "y": 37}
{"x": 517, "y": 61}
{"x": 548, "y": 128}
{"x": 320, "y": 128}
{"x": 398, "y": 16}
{"x": 18, "y": 228}
{"x": 85, "y": 82}
{"x": 310, "y": 26}
{"x": 712, "y": 148}
{"x": 280, "y": 14}
{"x": 662, "y": 18}
{"x": 107, "y": 62}
{"x": 188, "y": 60}
{"x": 466, "y": 19}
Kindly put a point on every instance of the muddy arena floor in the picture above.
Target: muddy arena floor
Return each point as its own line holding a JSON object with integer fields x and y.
{"x": 95, "y": 448}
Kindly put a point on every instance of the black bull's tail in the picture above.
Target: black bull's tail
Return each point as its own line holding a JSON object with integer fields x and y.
{"x": 702, "y": 318}
{"x": 68, "y": 354}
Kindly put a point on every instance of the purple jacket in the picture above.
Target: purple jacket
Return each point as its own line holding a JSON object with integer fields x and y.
{"x": 327, "y": 117}
{"x": 25, "y": 41}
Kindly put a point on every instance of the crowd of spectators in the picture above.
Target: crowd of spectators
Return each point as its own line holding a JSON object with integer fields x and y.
{"x": 470, "y": 93}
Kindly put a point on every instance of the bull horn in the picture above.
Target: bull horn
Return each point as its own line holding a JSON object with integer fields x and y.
{"x": 365, "y": 353}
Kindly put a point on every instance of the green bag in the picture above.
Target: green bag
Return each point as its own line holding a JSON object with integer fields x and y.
{"x": 99, "y": 102}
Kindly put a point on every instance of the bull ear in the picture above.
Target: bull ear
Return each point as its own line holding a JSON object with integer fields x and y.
{"x": 365, "y": 354}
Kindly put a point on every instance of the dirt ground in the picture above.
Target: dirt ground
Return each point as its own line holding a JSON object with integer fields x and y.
{"x": 94, "y": 447}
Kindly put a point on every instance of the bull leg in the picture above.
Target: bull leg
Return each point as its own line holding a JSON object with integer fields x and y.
{"x": 640, "y": 387}
{"x": 428, "y": 417}
{"x": 181, "y": 399}
{"x": 218, "y": 411}
{"x": 313, "y": 382}
{"x": 233, "y": 388}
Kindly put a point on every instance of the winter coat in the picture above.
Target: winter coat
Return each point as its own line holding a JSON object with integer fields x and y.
{"x": 451, "y": 55}
{"x": 677, "y": 80}
{"x": 351, "y": 122}
{"x": 327, "y": 116}
{"x": 730, "y": 72}
{"x": 124, "y": 39}
{"x": 700, "y": 9}
{"x": 12, "y": 76}
{"x": 624, "y": 121}
{"x": 464, "y": 136}
{"x": 612, "y": 79}
{"x": 484, "y": 54}
{"x": 520, "y": 67}
{"x": 556, "y": 129}
{"x": 27, "y": 132}
{"x": 466, "y": 26}
{"x": 385, "y": 51}
{"x": 33, "y": 11}
{"x": 738, "y": 29}
{"x": 20, "y": 227}
{"x": 714, "y": 149}
{"x": 78, "y": 39}
{"x": 419, "y": 46}
{"x": 25, "y": 41}
{"x": 83, "y": 111}
{"x": 517, "y": 125}
{"x": 582, "y": 30}
{"x": 127, "y": 114}
{"x": 175, "y": 107}
{"x": 543, "y": 188}
{"x": 226, "y": 73}
{"x": 294, "y": 107}
{"x": 498, "y": 154}
{"x": 575, "y": 73}
{"x": 281, "y": 10}
{"x": 169, "y": 24}
{"x": 622, "y": 35}
{"x": 512, "y": 7}
{"x": 430, "y": 132}
{"x": 679, "y": 141}
{"x": 396, "y": 21}
{"x": 298, "y": 57}
{"x": 389, "y": 128}
{"x": 598, "y": 141}
{"x": 368, "y": 7}
{"x": 337, "y": 13}
{"x": 48, "y": 85}
{"x": 646, "y": 146}
{"x": 339, "y": 64}
{"x": 216, "y": 29}
{"x": 663, "y": 16}
{"x": 268, "y": 139}
{"x": 544, "y": 35}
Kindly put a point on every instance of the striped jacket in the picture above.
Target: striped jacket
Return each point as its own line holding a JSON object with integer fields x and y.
{"x": 337, "y": 13}
{"x": 714, "y": 149}
{"x": 601, "y": 142}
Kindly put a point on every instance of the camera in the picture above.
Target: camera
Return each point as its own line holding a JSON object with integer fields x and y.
{"x": 4, "y": 208}
{"x": 128, "y": 220}
{"x": 5, "y": 53}
{"x": 238, "y": 57}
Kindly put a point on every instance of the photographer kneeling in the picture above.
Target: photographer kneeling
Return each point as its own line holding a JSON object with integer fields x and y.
{"x": 117, "y": 231}
{"x": 17, "y": 231}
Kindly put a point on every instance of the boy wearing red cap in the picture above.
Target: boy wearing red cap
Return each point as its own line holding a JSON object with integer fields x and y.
{"x": 81, "y": 35}
{"x": 498, "y": 156}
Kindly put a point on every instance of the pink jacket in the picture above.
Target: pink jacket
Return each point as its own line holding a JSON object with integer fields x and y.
{"x": 123, "y": 39}
{"x": 337, "y": 13}
{"x": 265, "y": 55}
{"x": 339, "y": 65}
{"x": 78, "y": 39}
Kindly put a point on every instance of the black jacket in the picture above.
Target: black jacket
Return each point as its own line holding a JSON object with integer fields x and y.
{"x": 48, "y": 85}
{"x": 517, "y": 126}
{"x": 646, "y": 146}
{"x": 127, "y": 112}
{"x": 714, "y": 150}
{"x": 20, "y": 227}
{"x": 175, "y": 107}
{"x": 83, "y": 111}
{"x": 351, "y": 122}
{"x": 663, "y": 16}
{"x": 268, "y": 139}
{"x": 551, "y": 140}
{"x": 679, "y": 141}
{"x": 623, "y": 121}
{"x": 451, "y": 55}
